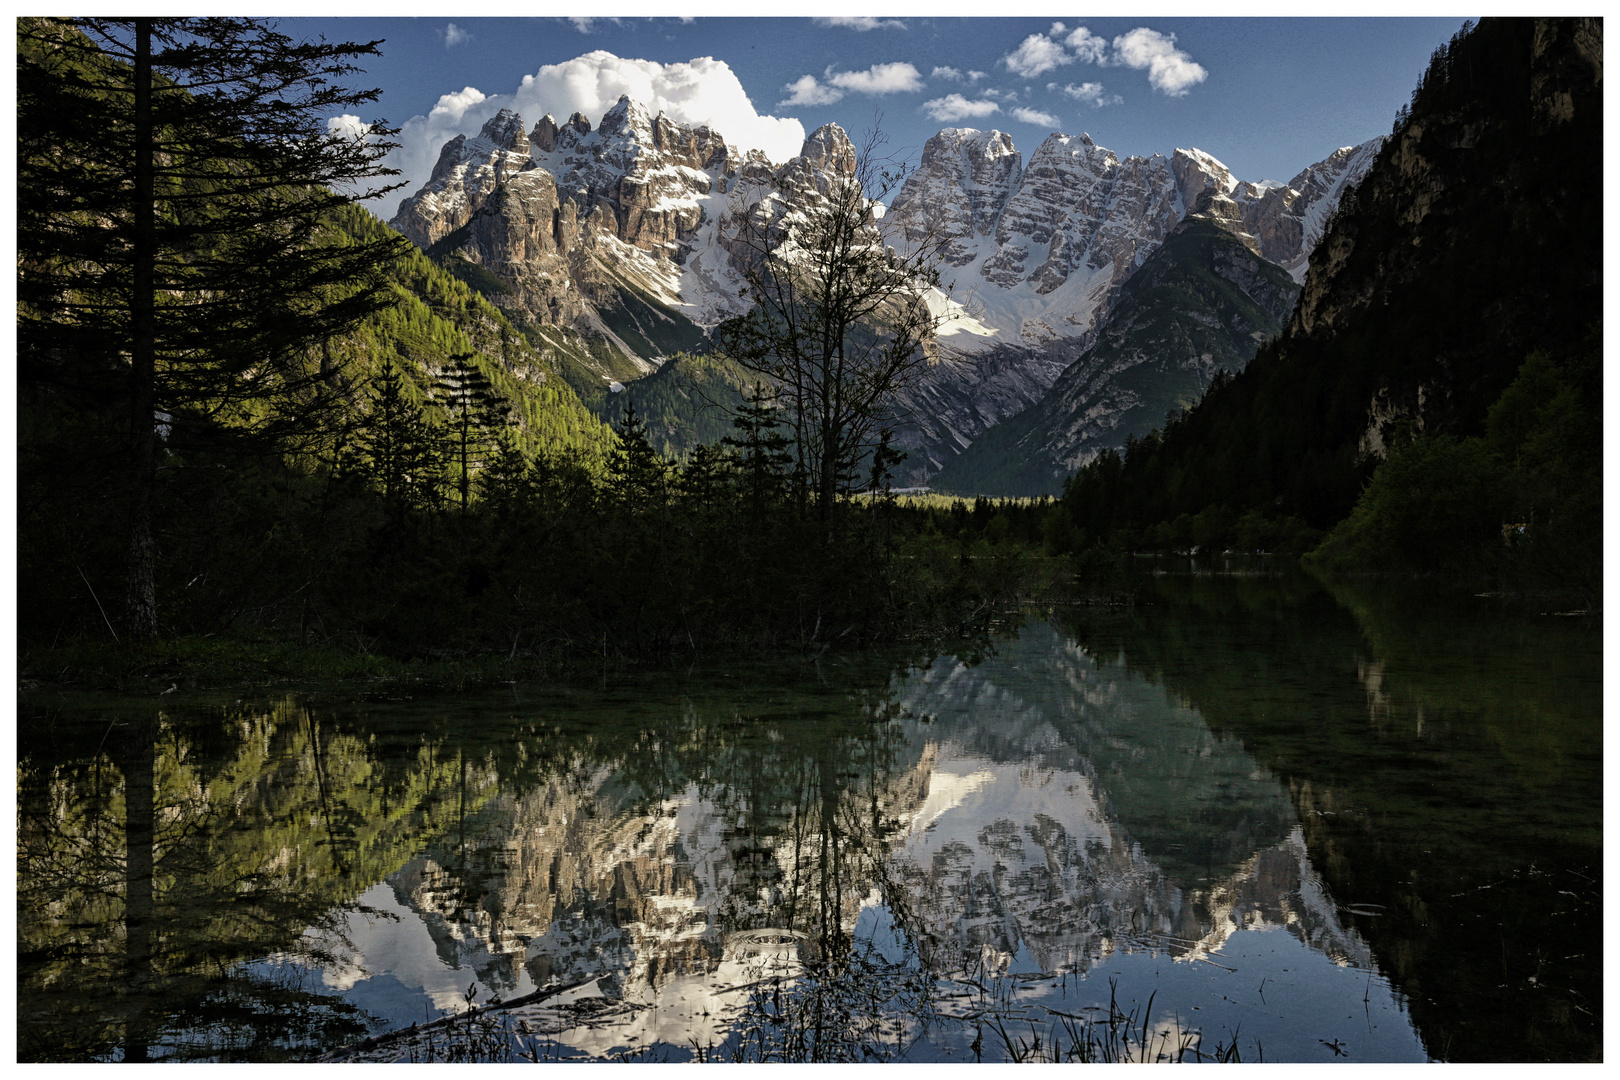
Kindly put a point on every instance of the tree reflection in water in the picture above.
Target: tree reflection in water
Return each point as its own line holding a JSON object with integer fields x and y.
{"x": 155, "y": 862}
{"x": 948, "y": 843}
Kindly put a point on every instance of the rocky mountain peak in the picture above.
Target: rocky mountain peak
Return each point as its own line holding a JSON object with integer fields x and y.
{"x": 1196, "y": 171}
{"x": 1219, "y": 208}
{"x": 449, "y": 157}
{"x": 505, "y": 130}
{"x": 1044, "y": 247}
{"x": 544, "y": 136}
{"x": 959, "y": 187}
{"x": 629, "y": 120}
{"x": 828, "y": 149}
{"x": 1068, "y": 152}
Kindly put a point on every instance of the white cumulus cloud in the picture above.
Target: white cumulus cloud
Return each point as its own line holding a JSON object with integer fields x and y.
{"x": 1169, "y": 69}
{"x": 1092, "y": 93}
{"x": 1036, "y": 56}
{"x": 347, "y": 126}
{"x": 1088, "y": 47}
{"x": 701, "y": 91}
{"x": 948, "y": 73}
{"x": 956, "y": 107}
{"x": 454, "y": 35}
{"x": 1035, "y": 116}
{"x": 807, "y": 91}
{"x": 878, "y": 79}
{"x": 861, "y": 23}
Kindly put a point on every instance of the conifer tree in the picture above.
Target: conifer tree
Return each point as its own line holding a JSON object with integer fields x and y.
{"x": 476, "y": 409}
{"x": 403, "y": 455}
{"x": 638, "y": 475}
{"x": 176, "y": 181}
{"x": 762, "y": 449}
{"x": 703, "y": 480}
{"x": 501, "y": 482}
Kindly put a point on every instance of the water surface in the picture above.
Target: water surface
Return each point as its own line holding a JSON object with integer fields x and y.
{"x": 1308, "y": 824}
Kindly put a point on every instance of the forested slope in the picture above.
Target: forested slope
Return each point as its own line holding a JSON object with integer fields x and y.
{"x": 1202, "y": 303}
{"x": 1473, "y": 242}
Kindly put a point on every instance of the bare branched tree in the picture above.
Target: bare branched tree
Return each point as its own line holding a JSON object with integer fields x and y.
{"x": 841, "y": 318}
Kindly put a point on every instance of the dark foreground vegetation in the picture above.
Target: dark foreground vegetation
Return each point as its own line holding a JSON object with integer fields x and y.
{"x": 261, "y": 432}
{"x": 1435, "y": 404}
{"x": 546, "y": 561}
{"x": 260, "y": 428}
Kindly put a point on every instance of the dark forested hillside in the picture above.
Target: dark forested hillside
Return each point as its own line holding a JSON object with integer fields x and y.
{"x": 1474, "y": 241}
{"x": 239, "y": 529}
{"x": 436, "y": 317}
{"x": 1201, "y": 303}
{"x": 687, "y": 403}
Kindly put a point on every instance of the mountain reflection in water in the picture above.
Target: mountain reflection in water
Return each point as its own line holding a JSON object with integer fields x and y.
{"x": 1038, "y": 825}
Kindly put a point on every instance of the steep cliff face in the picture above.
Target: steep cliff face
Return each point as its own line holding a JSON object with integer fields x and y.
{"x": 960, "y": 397}
{"x": 468, "y": 172}
{"x": 1203, "y": 301}
{"x": 618, "y": 231}
{"x": 1041, "y": 253}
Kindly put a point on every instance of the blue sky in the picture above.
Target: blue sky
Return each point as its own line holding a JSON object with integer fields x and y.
{"x": 1267, "y": 96}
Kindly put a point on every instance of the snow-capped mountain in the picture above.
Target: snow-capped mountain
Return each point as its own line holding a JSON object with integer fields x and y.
{"x": 1040, "y": 252}
{"x": 1203, "y": 301}
{"x": 628, "y": 233}
{"x": 1037, "y": 252}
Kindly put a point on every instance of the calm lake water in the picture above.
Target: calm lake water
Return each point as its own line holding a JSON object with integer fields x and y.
{"x": 1301, "y": 822}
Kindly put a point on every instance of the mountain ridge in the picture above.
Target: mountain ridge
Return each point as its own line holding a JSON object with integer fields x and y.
{"x": 1201, "y": 303}
{"x": 623, "y": 233}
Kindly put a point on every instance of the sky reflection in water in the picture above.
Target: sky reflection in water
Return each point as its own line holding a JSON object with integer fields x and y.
{"x": 1080, "y": 808}
{"x": 1004, "y": 802}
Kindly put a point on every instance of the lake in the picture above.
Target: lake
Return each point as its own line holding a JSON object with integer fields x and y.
{"x": 1238, "y": 814}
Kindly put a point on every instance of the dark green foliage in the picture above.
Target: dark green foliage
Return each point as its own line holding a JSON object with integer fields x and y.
{"x": 1526, "y": 497}
{"x": 686, "y": 403}
{"x": 177, "y": 185}
{"x": 762, "y": 447}
{"x": 399, "y": 453}
{"x": 638, "y": 475}
{"x": 1435, "y": 503}
{"x": 1471, "y": 243}
{"x": 477, "y": 412}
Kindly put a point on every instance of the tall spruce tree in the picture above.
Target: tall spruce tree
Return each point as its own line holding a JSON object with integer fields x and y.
{"x": 763, "y": 452}
{"x": 176, "y": 183}
{"x": 477, "y": 411}
{"x": 401, "y": 454}
{"x": 638, "y": 475}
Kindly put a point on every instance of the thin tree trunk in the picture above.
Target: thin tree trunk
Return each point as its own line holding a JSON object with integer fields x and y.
{"x": 140, "y": 830}
{"x": 142, "y": 600}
